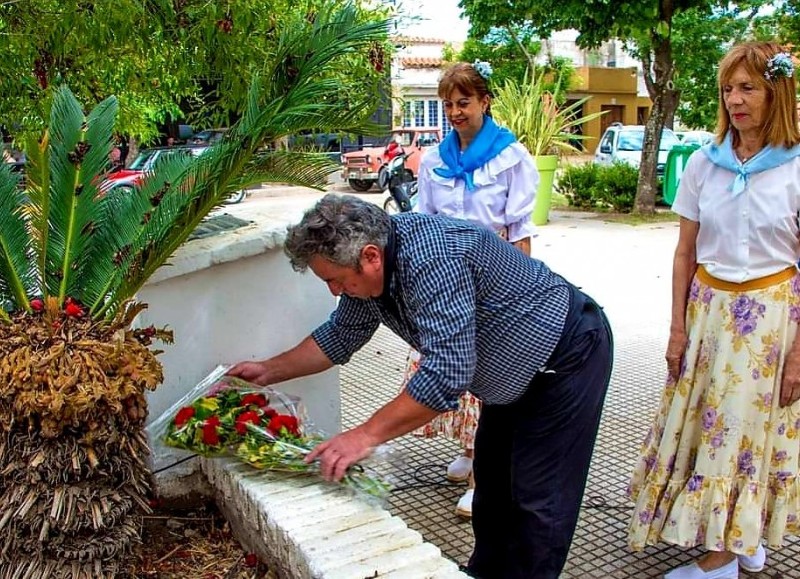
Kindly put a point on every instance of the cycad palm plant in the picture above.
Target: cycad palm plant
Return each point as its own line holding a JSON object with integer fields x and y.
{"x": 73, "y": 372}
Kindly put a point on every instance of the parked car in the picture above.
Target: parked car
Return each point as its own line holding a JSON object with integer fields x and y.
{"x": 361, "y": 168}
{"x": 207, "y": 137}
{"x": 130, "y": 178}
{"x": 699, "y": 138}
{"x": 624, "y": 143}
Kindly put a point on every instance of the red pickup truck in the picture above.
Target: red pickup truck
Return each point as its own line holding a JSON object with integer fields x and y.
{"x": 361, "y": 168}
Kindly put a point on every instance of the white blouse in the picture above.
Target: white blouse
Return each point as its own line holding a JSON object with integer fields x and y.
{"x": 748, "y": 236}
{"x": 505, "y": 190}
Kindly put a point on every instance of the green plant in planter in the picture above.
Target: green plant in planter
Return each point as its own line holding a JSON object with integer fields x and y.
{"x": 73, "y": 372}
{"x": 529, "y": 110}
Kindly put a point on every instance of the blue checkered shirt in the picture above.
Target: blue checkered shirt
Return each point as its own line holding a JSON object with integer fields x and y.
{"x": 484, "y": 317}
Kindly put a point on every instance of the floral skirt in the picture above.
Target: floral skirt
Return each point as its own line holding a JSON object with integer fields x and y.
{"x": 459, "y": 424}
{"x": 719, "y": 467}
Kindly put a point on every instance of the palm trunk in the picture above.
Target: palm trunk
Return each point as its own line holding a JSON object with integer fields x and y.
{"x": 75, "y": 478}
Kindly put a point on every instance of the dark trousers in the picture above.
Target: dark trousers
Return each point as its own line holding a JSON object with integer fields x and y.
{"x": 532, "y": 456}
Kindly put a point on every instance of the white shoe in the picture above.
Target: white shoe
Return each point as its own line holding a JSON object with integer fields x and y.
{"x": 693, "y": 571}
{"x": 464, "y": 506}
{"x": 459, "y": 469}
{"x": 754, "y": 563}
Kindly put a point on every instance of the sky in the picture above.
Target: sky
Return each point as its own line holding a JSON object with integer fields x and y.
{"x": 438, "y": 19}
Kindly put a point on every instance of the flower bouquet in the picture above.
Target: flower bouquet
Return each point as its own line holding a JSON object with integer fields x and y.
{"x": 262, "y": 427}
{"x": 263, "y": 448}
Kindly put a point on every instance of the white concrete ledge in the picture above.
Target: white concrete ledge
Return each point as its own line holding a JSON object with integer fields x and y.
{"x": 306, "y": 529}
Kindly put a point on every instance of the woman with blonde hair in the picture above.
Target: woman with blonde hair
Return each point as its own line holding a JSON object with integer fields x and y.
{"x": 719, "y": 467}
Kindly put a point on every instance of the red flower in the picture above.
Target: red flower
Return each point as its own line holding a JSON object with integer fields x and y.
{"x": 249, "y": 416}
{"x": 210, "y": 434}
{"x": 183, "y": 416}
{"x": 254, "y": 398}
{"x": 270, "y": 412}
{"x": 283, "y": 421}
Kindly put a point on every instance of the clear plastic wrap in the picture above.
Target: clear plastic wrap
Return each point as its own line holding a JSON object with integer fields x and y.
{"x": 263, "y": 427}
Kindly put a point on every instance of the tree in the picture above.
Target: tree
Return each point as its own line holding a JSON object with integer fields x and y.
{"x": 700, "y": 38}
{"x": 645, "y": 23}
{"x": 160, "y": 58}
{"x": 510, "y": 52}
{"x": 73, "y": 372}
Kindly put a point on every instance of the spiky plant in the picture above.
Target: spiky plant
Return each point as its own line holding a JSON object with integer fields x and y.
{"x": 73, "y": 372}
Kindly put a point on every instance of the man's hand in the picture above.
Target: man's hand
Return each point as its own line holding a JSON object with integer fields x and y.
{"x": 255, "y": 372}
{"x": 340, "y": 452}
{"x": 304, "y": 359}
{"x": 790, "y": 382}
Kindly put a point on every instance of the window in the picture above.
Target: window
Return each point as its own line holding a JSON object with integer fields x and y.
{"x": 406, "y": 114}
{"x": 419, "y": 113}
{"x": 446, "y": 126}
{"x": 433, "y": 113}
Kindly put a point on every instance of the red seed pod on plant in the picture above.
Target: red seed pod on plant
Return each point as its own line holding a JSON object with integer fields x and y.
{"x": 251, "y": 560}
{"x": 37, "y": 305}
{"x": 72, "y": 309}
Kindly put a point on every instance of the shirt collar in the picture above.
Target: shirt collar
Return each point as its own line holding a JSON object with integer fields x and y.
{"x": 389, "y": 262}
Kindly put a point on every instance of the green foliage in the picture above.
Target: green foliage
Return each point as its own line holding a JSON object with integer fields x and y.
{"x": 616, "y": 186}
{"x": 507, "y": 51}
{"x": 530, "y": 110}
{"x": 591, "y": 185}
{"x": 65, "y": 239}
{"x": 159, "y": 57}
{"x": 576, "y": 183}
{"x": 700, "y": 38}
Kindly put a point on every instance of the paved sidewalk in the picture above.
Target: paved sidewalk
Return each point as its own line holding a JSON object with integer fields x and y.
{"x": 628, "y": 271}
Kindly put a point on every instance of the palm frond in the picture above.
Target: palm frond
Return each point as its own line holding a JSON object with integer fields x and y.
{"x": 78, "y": 155}
{"x": 137, "y": 220}
{"x": 16, "y": 270}
{"x": 37, "y": 187}
{"x": 296, "y": 98}
{"x": 87, "y": 249}
{"x": 290, "y": 167}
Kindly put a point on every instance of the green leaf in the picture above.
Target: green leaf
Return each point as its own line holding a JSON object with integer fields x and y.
{"x": 16, "y": 269}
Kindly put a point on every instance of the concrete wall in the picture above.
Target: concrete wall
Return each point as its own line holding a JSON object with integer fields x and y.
{"x": 234, "y": 297}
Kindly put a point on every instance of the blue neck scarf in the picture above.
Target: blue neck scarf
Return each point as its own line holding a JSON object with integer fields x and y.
{"x": 486, "y": 145}
{"x": 767, "y": 158}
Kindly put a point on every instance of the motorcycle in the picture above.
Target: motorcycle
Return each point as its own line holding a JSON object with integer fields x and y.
{"x": 401, "y": 185}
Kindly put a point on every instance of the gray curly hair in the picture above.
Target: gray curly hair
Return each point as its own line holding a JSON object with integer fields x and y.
{"x": 337, "y": 228}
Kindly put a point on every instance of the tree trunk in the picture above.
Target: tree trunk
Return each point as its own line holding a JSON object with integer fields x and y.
{"x": 662, "y": 93}
{"x": 74, "y": 478}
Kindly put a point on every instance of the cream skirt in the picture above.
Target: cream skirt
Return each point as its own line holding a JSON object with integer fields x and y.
{"x": 719, "y": 467}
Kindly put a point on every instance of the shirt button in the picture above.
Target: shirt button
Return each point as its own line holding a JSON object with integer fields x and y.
{"x": 744, "y": 242}
{"x": 744, "y": 213}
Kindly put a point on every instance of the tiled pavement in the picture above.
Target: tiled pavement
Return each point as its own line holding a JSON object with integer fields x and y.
{"x": 627, "y": 270}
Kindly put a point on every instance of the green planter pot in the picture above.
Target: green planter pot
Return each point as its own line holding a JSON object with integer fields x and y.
{"x": 546, "y": 165}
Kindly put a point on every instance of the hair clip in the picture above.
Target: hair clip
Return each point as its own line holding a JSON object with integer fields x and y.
{"x": 779, "y": 65}
{"x": 484, "y": 69}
